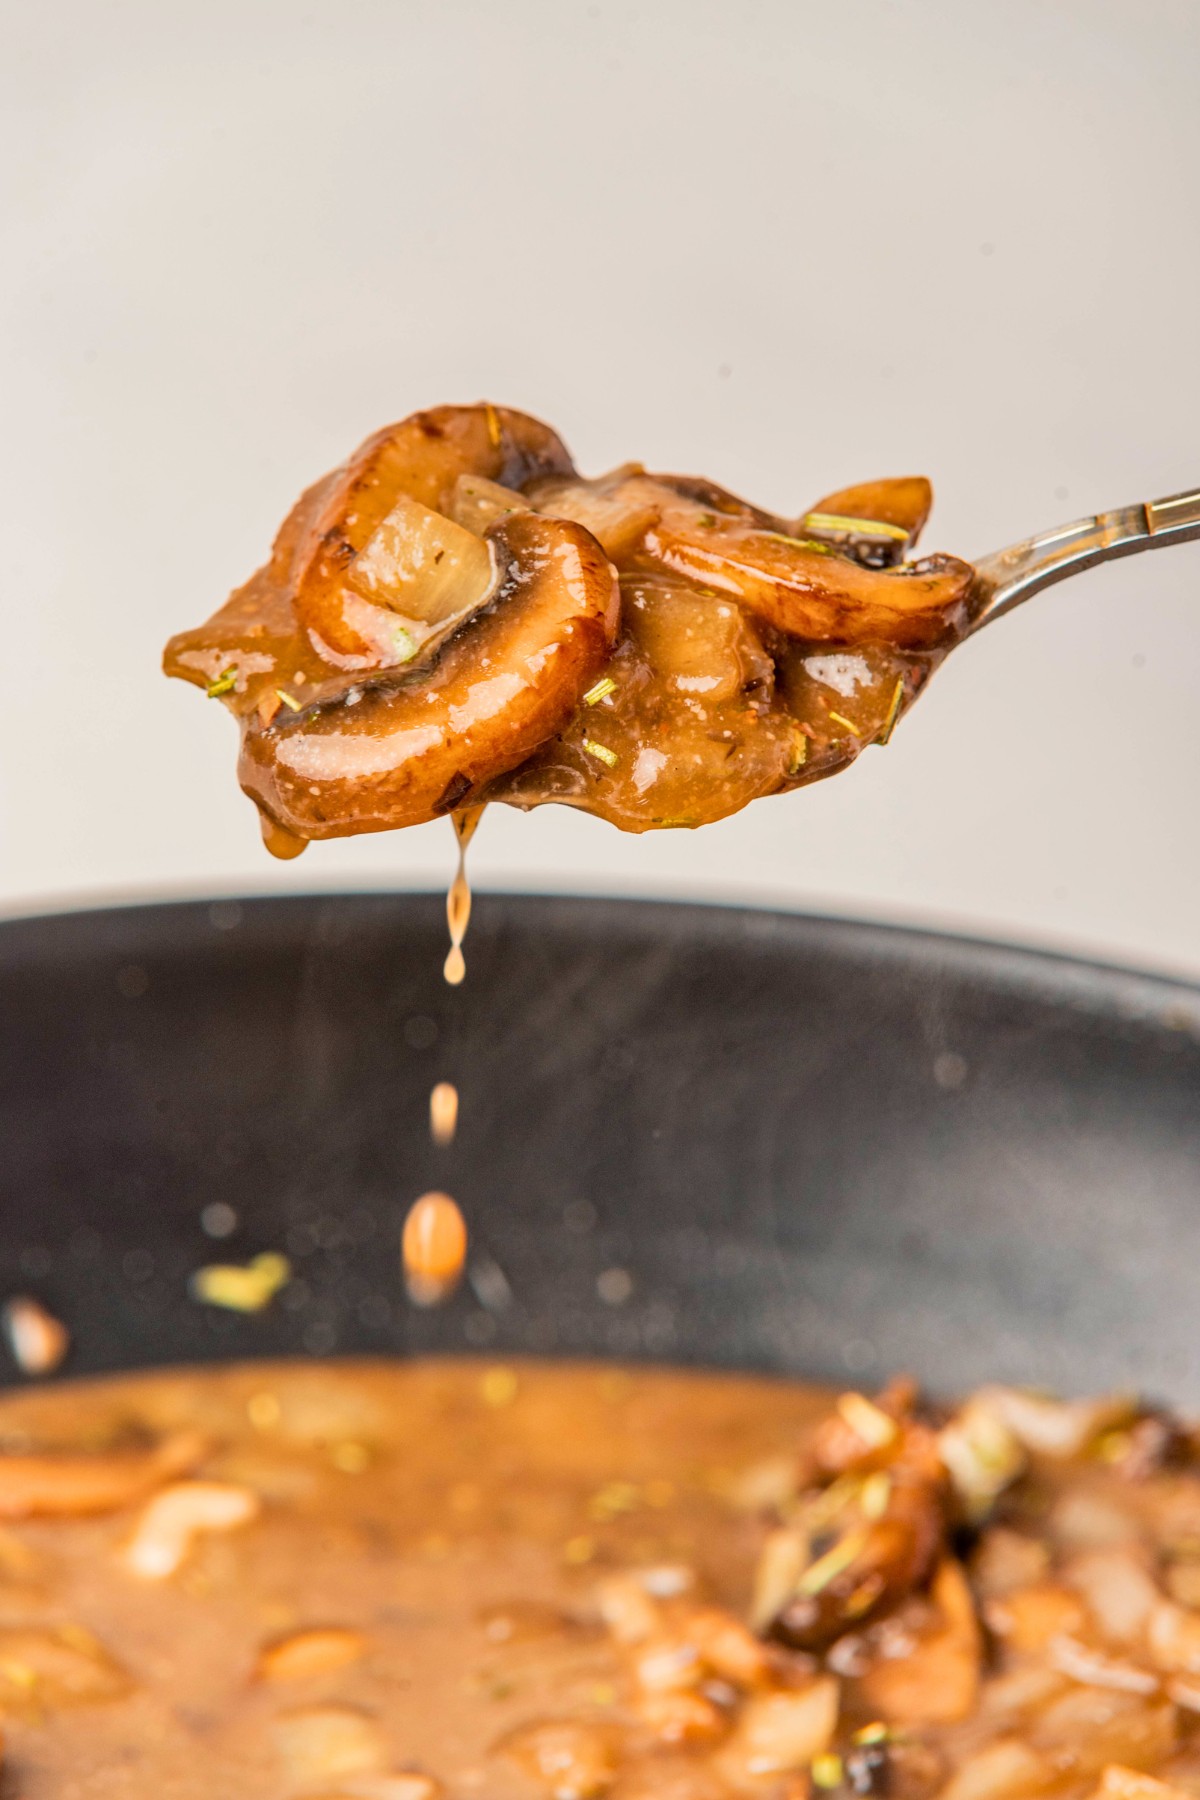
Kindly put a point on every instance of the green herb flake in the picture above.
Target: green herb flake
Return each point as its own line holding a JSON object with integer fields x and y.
{"x": 404, "y": 644}
{"x": 799, "y": 754}
{"x": 893, "y": 713}
{"x": 287, "y": 699}
{"x": 225, "y": 681}
{"x": 601, "y": 752}
{"x": 827, "y": 1770}
{"x": 245, "y": 1288}
{"x": 817, "y": 1577}
{"x": 845, "y": 525}
{"x": 602, "y": 689}
{"x": 874, "y": 1733}
{"x": 800, "y": 543}
{"x": 841, "y": 719}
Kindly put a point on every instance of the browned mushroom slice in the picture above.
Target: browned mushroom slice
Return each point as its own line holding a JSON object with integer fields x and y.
{"x": 875, "y": 1560}
{"x": 52, "y": 1484}
{"x": 798, "y": 583}
{"x": 419, "y": 460}
{"x": 620, "y": 508}
{"x": 876, "y": 522}
{"x": 410, "y": 748}
{"x": 356, "y": 582}
{"x": 809, "y": 592}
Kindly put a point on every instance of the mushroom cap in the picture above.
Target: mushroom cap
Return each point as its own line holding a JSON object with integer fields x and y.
{"x": 410, "y": 747}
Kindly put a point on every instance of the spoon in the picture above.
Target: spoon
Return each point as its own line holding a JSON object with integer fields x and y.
{"x": 1006, "y": 578}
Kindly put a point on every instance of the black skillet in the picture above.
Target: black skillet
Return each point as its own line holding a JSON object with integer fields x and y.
{"x": 687, "y": 1134}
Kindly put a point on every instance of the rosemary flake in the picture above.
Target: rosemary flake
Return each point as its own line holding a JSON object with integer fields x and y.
{"x": 601, "y": 752}
{"x": 602, "y": 689}
{"x": 817, "y": 1577}
{"x": 226, "y": 680}
{"x": 852, "y": 527}
{"x": 288, "y": 700}
{"x": 801, "y": 543}
{"x": 893, "y": 713}
{"x": 841, "y": 719}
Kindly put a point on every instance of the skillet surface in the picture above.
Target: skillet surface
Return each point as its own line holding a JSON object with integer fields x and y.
{"x": 774, "y": 1141}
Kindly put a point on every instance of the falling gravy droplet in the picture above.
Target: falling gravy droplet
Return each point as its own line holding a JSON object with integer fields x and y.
{"x": 279, "y": 840}
{"x": 443, "y": 1112}
{"x": 434, "y": 1249}
{"x": 458, "y": 900}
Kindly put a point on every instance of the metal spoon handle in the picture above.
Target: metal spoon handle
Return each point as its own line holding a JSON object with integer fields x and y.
{"x": 1009, "y": 576}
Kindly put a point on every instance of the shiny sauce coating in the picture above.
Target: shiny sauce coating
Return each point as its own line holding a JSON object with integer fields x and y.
{"x": 456, "y": 617}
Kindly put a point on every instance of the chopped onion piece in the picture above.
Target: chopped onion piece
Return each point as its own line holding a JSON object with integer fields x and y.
{"x": 1051, "y": 1427}
{"x": 478, "y": 503}
{"x": 423, "y": 567}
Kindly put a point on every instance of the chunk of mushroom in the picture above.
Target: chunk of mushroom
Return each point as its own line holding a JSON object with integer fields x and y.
{"x": 329, "y": 1743}
{"x": 170, "y": 1523}
{"x": 794, "y": 581}
{"x": 302, "y": 1654}
{"x": 890, "y": 1527}
{"x": 571, "y": 1759}
{"x": 937, "y": 1681}
{"x": 416, "y": 748}
{"x": 781, "y": 1730}
{"x": 62, "y": 1484}
{"x": 56, "y": 1666}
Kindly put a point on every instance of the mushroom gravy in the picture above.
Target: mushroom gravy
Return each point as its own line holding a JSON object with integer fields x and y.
{"x": 455, "y": 617}
{"x": 400, "y": 1581}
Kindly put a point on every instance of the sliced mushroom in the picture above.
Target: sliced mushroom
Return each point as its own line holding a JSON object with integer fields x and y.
{"x": 809, "y": 592}
{"x": 404, "y": 751}
{"x": 937, "y": 1681}
{"x": 310, "y": 624}
{"x": 420, "y": 460}
{"x": 58, "y": 1484}
{"x": 876, "y": 522}
{"x": 790, "y": 574}
{"x": 878, "y": 1530}
{"x": 56, "y": 1666}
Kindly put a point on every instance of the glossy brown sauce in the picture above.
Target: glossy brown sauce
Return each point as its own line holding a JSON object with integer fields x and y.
{"x": 525, "y": 1580}
{"x": 456, "y": 617}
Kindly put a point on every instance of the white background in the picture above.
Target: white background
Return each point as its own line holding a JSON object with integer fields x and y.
{"x": 789, "y": 245}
